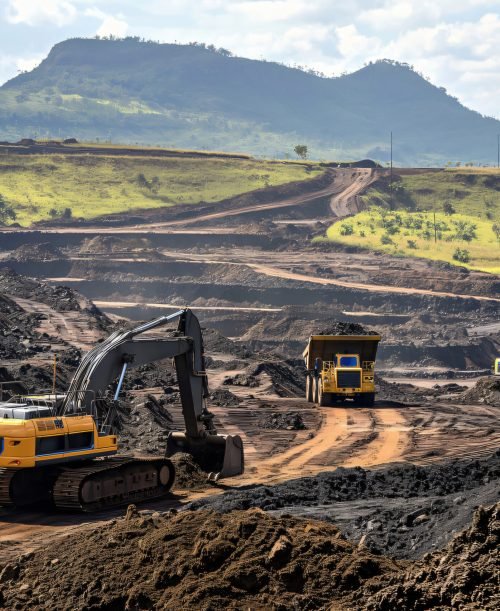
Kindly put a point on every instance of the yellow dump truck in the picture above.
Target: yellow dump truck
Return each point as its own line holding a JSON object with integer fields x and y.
{"x": 341, "y": 367}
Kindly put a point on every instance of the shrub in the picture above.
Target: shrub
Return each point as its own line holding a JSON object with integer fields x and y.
{"x": 386, "y": 239}
{"x": 392, "y": 229}
{"x": 6, "y": 211}
{"x": 412, "y": 244}
{"x": 462, "y": 255}
{"x": 464, "y": 230}
{"x": 346, "y": 229}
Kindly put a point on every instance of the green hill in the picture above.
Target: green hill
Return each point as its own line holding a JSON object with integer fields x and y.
{"x": 190, "y": 96}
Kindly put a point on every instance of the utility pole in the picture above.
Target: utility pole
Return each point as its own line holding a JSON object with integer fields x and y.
{"x": 390, "y": 180}
{"x": 435, "y": 231}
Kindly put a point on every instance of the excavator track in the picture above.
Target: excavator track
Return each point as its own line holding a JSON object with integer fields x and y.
{"x": 112, "y": 482}
{"x": 6, "y": 477}
{"x": 21, "y": 487}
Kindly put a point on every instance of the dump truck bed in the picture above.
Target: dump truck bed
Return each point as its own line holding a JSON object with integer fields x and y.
{"x": 326, "y": 347}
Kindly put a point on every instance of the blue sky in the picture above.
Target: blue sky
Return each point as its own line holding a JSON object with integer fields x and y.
{"x": 456, "y": 43}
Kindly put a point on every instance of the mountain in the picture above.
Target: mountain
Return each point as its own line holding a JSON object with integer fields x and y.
{"x": 191, "y": 96}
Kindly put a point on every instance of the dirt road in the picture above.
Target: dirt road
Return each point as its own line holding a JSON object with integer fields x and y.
{"x": 353, "y": 183}
{"x": 285, "y": 274}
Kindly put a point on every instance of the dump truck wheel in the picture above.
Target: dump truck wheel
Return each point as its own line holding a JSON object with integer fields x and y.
{"x": 368, "y": 399}
{"x": 315, "y": 390}
{"x": 323, "y": 398}
{"x": 364, "y": 400}
{"x": 309, "y": 388}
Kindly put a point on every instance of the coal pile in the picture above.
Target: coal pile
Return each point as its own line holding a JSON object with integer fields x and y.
{"x": 465, "y": 575}
{"x": 289, "y": 421}
{"x": 287, "y": 377}
{"x": 224, "y": 398}
{"x": 193, "y": 560}
{"x": 59, "y": 298}
{"x": 18, "y": 333}
{"x": 144, "y": 423}
{"x": 214, "y": 341}
{"x": 400, "y": 510}
{"x": 242, "y": 379}
{"x": 345, "y": 328}
{"x": 486, "y": 390}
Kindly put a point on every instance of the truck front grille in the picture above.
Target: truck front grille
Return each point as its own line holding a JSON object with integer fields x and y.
{"x": 349, "y": 379}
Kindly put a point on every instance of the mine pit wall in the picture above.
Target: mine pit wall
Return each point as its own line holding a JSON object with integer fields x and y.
{"x": 290, "y": 293}
{"x": 469, "y": 353}
{"x": 10, "y": 240}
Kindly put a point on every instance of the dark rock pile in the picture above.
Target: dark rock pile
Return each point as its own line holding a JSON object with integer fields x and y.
{"x": 486, "y": 390}
{"x": 290, "y": 421}
{"x": 224, "y": 398}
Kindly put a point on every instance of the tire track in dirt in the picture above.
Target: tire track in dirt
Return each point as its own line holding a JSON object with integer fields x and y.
{"x": 71, "y": 326}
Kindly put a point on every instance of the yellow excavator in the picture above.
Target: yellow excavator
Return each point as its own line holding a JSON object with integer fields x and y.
{"x": 62, "y": 448}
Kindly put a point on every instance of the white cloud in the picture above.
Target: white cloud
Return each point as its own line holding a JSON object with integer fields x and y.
{"x": 38, "y": 12}
{"x": 351, "y": 43}
{"x": 114, "y": 25}
{"x": 270, "y": 10}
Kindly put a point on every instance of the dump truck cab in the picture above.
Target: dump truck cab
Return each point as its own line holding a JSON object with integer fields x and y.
{"x": 341, "y": 367}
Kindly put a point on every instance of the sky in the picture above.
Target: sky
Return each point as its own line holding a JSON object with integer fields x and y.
{"x": 455, "y": 43}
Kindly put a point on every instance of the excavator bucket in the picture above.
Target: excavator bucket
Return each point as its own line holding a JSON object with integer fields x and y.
{"x": 219, "y": 455}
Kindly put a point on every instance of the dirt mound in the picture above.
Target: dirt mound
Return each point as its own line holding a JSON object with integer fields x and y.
{"x": 214, "y": 341}
{"x": 345, "y": 328}
{"x": 291, "y": 421}
{"x": 112, "y": 245}
{"x": 188, "y": 474}
{"x": 485, "y": 390}
{"x": 37, "y": 252}
{"x": 193, "y": 560}
{"x": 462, "y": 576}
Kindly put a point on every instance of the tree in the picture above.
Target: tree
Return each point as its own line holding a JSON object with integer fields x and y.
{"x": 6, "y": 212}
{"x": 448, "y": 208}
{"x": 301, "y": 151}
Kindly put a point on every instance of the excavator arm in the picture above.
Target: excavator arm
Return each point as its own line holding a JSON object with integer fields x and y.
{"x": 220, "y": 455}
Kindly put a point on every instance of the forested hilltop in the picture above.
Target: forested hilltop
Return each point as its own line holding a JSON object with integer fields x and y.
{"x": 194, "y": 96}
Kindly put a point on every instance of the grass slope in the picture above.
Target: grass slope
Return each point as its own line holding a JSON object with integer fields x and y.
{"x": 408, "y": 229}
{"x": 40, "y": 187}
